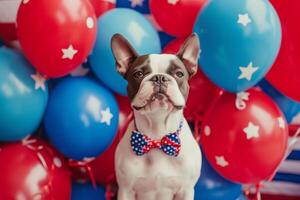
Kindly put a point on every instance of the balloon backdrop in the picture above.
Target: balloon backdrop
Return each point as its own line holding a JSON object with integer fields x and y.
{"x": 244, "y": 136}
{"x": 202, "y": 91}
{"x": 176, "y": 17}
{"x": 102, "y": 6}
{"x": 287, "y": 64}
{"x": 136, "y": 29}
{"x": 212, "y": 186}
{"x": 32, "y": 169}
{"x": 56, "y": 36}
{"x": 289, "y": 107}
{"x": 81, "y": 119}
{"x": 240, "y": 40}
{"x": 23, "y": 96}
{"x": 87, "y": 191}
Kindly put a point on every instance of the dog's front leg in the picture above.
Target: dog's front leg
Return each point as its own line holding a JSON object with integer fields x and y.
{"x": 125, "y": 193}
{"x": 185, "y": 194}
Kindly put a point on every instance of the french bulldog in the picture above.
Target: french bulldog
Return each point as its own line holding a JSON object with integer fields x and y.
{"x": 158, "y": 157}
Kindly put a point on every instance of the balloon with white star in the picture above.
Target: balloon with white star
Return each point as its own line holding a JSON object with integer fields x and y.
{"x": 23, "y": 96}
{"x": 237, "y": 141}
{"x": 56, "y": 36}
{"x": 132, "y": 25}
{"x": 239, "y": 44}
{"x": 81, "y": 119}
{"x": 141, "y": 6}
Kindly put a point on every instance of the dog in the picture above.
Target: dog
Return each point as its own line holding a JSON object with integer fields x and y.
{"x": 158, "y": 157}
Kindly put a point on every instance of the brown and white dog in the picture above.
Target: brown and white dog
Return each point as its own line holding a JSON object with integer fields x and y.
{"x": 157, "y": 88}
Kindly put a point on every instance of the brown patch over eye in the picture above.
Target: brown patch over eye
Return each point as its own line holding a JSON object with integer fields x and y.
{"x": 179, "y": 74}
{"x": 138, "y": 74}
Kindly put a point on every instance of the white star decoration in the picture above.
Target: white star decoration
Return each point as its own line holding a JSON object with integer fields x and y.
{"x": 247, "y": 72}
{"x": 173, "y": 2}
{"x": 106, "y": 116}
{"x": 251, "y": 131}
{"x": 69, "y": 52}
{"x": 80, "y": 71}
{"x": 135, "y": 3}
{"x": 244, "y": 19}
{"x": 220, "y": 160}
{"x": 281, "y": 122}
{"x": 39, "y": 81}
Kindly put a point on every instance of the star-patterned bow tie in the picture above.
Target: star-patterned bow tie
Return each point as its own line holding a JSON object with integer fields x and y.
{"x": 169, "y": 144}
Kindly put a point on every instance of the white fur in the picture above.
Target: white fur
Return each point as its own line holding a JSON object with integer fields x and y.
{"x": 155, "y": 175}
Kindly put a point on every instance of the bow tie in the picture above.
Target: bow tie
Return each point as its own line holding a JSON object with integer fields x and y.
{"x": 170, "y": 144}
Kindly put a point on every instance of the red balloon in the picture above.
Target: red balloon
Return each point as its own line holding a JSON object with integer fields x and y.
{"x": 202, "y": 91}
{"x": 56, "y": 36}
{"x": 32, "y": 170}
{"x": 102, "y": 6}
{"x": 284, "y": 75}
{"x": 244, "y": 136}
{"x": 103, "y": 167}
{"x": 176, "y": 17}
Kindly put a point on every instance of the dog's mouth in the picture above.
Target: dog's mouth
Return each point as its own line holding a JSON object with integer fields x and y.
{"x": 160, "y": 97}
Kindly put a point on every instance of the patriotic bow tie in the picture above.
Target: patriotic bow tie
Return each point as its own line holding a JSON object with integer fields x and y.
{"x": 169, "y": 144}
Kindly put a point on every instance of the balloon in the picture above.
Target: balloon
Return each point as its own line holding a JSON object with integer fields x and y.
{"x": 141, "y": 6}
{"x": 102, "y": 6}
{"x": 287, "y": 64}
{"x": 8, "y": 14}
{"x": 202, "y": 91}
{"x": 245, "y": 136}
{"x": 87, "y": 191}
{"x": 212, "y": 186}
{"x": 136, "y": 29}
{"x": 165, "y": 38}
{"x": 81, "y": 119}
{"x": 23, "y": 96}
{"x": 289, "y": 107}
{"x": 56, "y": 36}
{"x": 176, "y": 17}
{"x": 240, "y": 40}
{"x": 33, "y": 170}
{"x": 104, "y": 166}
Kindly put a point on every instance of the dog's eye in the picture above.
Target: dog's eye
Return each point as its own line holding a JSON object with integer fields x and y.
{"x": 179, "y": 74}
{"x": 138, "y": 74}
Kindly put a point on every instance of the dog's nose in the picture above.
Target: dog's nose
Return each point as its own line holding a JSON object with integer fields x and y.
{"x": 160, "y": 79}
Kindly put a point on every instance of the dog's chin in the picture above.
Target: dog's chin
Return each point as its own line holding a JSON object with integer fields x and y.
{"x": 158, "y": 102}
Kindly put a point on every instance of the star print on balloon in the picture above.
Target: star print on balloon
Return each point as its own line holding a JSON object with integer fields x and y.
{"x": 247, "y": 72}
{"x": 251, "y": 131}
{"x": 39, "y": 81}
{"x": 135, "y": 3}
{"x": 106, "y": 116}
{"x": 220, "y": 160}
{"x": 249, "y": 36}
{"x": 244, "y": 19}
{"x": 69, "y": 52}
{"x": 241, "y": 99}
{"x": 238, "y": 150}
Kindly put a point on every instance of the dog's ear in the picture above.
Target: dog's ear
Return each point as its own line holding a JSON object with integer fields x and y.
{"x": 123, "y": 52}
{"x": 189, "y": 53}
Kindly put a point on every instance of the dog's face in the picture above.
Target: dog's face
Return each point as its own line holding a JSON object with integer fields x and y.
{"x": 156, "y": 81}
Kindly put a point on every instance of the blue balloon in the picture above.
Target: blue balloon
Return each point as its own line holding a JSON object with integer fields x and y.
{"x": 289, "y": 107}
{"x": 87, "y": 191}
{"x": 142, "y": 6}
{"x": 165, "y": 38}
{"x": 81, "y": 119}
{"x": 240, "y": 40}
{"x": 136, "y": 29}
{"x": 212, "y": 186}
{"x": 1, "y": 43}
{"x": 22, "y": 104}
